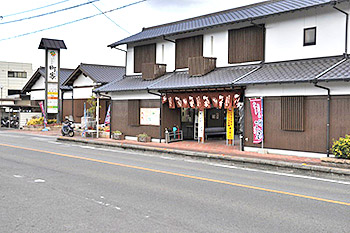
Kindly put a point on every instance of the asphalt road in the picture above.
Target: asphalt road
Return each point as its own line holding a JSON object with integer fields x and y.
{"x": 47, "y": 186}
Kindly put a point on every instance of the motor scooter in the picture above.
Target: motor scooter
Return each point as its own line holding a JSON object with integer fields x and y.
{"x": 67, "y": 128}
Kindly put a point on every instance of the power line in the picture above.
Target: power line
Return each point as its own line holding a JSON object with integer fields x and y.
{"x": 49, "y": 13}
{"x": 22, "y": 12}
{"x": 111, "y": 19}
{"x": 74, "y": 21}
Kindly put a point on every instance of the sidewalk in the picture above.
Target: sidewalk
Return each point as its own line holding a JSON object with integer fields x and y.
{"x": 214, "y": 149}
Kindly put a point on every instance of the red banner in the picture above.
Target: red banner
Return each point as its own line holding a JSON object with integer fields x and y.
{"x": 178, "y": 101}
{"x": 256, "y": 107}
{"x": 171, "y": 102}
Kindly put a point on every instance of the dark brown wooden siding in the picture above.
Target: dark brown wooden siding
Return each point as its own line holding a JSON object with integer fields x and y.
{"x": 187, "y": 47}
{"x": 246, "y": 44}
{"x": 313, "y": 138}
{"x": 169, "y": 118}
{"x": 292, "y": 113}
{"x": 144, "y": 54}
{"x": 133, "y": 112}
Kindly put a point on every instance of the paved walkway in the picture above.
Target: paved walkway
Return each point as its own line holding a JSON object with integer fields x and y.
{"x": 211, "y": 146}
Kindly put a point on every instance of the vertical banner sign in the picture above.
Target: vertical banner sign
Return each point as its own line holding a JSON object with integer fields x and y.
{"x": 108, "y": 116}
{"x": 41, "y": 104}
{"x": 257, "y": 116}
{"x": 201, "y": 125}
{"x": 230, "y": 124}
{"x": 52, "y": 81}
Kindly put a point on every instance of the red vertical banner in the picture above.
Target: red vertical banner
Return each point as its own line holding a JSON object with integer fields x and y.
{"x": 171, "y": 102}
{"x": 256, "y": 107}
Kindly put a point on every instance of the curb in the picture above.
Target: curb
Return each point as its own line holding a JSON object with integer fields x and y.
{"x": 282, "y": 164}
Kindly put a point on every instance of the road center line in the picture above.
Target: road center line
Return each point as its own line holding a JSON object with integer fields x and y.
{"x": 181, "y": 175}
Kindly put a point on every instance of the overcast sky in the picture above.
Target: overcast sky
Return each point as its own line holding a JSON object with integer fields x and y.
{"x": 87, "y": 40}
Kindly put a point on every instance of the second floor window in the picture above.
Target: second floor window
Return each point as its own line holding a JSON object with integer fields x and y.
{"x": 144, "y": 54}
{"x": 16, "y": 74}
{"x": 309, "y": 36}
{"x": 246, "y": 44}
{"x": 188, "y": 47}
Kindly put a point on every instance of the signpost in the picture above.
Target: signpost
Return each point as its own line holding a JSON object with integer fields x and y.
{"x": 52, "y": 78}
{"x": 230, "y": 126}
{"x": 201, "y": 126}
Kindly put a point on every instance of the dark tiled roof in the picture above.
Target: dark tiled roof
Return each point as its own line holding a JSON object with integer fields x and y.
{"x": 341, "y": 72}
{"x": 220, "y": 77}
{"x": 98, "y": 73}
{"x": 289, "y": 71}
{"x": 130, "y": 83}
{"x": 40, "y": 72}
{"x": 236, "y": 15}
{"x": 51, "y": 44}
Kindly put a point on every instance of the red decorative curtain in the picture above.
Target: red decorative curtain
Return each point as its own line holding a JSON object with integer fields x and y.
{"x": 227, "y": 100}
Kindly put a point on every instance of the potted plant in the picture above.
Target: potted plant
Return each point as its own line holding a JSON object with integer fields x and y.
{"x": 117, "y": 135}
{"x": 143, "y": 137}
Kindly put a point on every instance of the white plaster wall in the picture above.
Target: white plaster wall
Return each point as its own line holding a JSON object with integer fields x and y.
{"x": 39, "y": 84}
{"x": 67, "y": 95}
{"x": 133, "y": 95}
{"x": 285, "y": 34}
{"x": 82, "y": 93}
{"x": 83, "y": 81}
{"x": 37, "y": 95}
{"x": 220, "y": 47}
{"x": 169, "y": 55}
{"x": 130, "y": 61}
{"x": 300, "y": 89}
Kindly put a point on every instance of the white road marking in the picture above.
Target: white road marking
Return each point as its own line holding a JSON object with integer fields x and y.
{"x": 225, "y": 166}
{"x": 39, "y": 181}
{"x": 18, "y": 176}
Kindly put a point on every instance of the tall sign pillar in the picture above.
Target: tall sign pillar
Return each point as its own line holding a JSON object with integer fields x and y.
{"x": 53, "y": 100}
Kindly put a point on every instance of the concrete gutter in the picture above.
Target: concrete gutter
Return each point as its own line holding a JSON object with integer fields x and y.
{"x": 195, "y": 154}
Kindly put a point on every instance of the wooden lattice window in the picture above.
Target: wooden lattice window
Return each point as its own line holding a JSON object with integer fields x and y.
{"x": 292, "y": 113}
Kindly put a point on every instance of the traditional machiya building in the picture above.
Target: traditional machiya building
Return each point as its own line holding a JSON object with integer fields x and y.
{"x": 282, "y": 53}
{"x": 35, "y": 88}
{"x": 83, "y": 80}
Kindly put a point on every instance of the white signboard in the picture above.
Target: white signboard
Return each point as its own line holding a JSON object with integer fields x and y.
{"x": 201, "y": 124}
{"x": 52, "y": 63}
{"x": 150, "y": 116}
{"x": 52, "y": 98}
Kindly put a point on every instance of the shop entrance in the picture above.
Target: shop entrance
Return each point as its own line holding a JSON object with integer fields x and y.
{"x": 188, "y": 123}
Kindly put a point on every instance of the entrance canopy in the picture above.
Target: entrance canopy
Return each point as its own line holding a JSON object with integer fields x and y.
{"x": 202, "y": 100}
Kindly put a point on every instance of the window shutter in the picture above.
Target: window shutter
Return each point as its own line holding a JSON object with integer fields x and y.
{"x": 292, "y": 113}
{"x": 133, "y": 112}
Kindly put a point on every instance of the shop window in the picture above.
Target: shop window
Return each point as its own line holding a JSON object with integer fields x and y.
{"x": 292, "y": 113}
{"x": 309, "y": 36}
{"x": 17, "y": 74}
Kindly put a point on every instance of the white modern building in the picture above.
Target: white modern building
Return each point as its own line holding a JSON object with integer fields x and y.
{"x": 13, "y": 76}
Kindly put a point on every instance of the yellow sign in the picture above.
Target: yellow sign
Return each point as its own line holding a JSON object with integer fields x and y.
{"x": 230, "y": 124}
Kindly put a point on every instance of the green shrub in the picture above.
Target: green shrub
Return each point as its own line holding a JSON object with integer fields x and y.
{"x": 341, "y": 147}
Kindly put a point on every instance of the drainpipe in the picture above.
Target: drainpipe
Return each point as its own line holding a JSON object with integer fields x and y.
{"x": 346, "y": 26}
{"x": 160, "y": 113}
{"x": 328, "y": 112}
{"x": 315, "y": 81}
